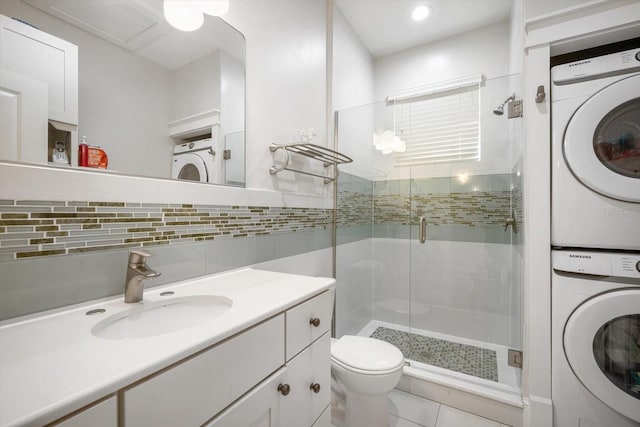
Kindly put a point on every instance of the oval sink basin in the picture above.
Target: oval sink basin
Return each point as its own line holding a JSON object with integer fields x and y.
{"x": 162, "y": 317}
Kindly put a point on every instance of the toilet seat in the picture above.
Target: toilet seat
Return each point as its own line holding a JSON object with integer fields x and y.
{"x": 366, "y": 355}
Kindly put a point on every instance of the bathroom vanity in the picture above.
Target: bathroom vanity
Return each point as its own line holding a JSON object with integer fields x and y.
{"x": 247, "y": 347}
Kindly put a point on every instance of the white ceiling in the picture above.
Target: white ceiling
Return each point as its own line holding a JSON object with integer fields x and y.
{"x": 385, "y": 26}
{"x": 139, "y": 26}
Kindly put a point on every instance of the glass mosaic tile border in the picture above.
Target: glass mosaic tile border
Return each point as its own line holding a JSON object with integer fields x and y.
{"x": 467, "y": 359}
{"x": 36, "y": 228}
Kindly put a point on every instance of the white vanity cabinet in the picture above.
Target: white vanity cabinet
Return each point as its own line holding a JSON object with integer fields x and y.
{"x": 193, "y": 391}
{"x": 101, "y": 414}
{"x": 32, "y": 54}
{"x": 251, "y": 373}
{"x": 299, "y": 394}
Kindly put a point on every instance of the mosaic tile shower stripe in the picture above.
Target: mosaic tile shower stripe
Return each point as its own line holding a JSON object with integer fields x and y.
{"x": 44, "y": 228}
{"x": 467, "y": 359}
{"x": 486, "y": 208}
{"x": 354, "y": 208}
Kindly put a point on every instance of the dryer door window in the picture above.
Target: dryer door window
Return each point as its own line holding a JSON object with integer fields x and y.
{"x": 602, "y": 141}
{"x": 601, "y": 342}
{"x": 189, "y": 167}
{"x": 616, "y": 347}
{"x": 617, "y": 139}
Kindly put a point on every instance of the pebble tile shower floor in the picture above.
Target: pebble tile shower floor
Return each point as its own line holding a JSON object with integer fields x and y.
{"x": 467, "y": 359}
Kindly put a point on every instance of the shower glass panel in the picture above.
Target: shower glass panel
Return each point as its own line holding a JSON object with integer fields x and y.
{"x": 453, "y": 303}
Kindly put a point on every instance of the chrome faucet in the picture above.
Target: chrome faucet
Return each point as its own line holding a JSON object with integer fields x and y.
{"x": 137, "y": 271}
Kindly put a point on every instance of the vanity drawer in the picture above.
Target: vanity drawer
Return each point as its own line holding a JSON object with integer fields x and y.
{"x": 309, "y": 376}
{"x": 195, "y": 390}
{"x": 103, "y": 414}
{"x": 307, "y": 322}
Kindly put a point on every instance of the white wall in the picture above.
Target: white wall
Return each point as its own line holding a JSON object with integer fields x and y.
{"x": 286, "y": 85}
{"x": 196, "y": 86}
{"x": 483, "y": 51}
{"x": 353, "y": 89}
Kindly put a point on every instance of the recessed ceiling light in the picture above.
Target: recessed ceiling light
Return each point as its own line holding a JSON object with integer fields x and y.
{"x": 420, "y": 13}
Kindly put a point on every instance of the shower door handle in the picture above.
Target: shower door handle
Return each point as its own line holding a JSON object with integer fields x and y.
{"x": 422, "y": 236}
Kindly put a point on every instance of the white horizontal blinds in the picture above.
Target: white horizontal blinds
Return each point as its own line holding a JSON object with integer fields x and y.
{"x": 439, "y": 127}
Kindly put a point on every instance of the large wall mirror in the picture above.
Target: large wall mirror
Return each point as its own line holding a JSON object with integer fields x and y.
{"x": 109, "y": 85}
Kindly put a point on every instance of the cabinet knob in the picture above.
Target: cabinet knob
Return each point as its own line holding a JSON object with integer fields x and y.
{"x": 284, "y": 389}
{"x": 315, "y": 322}
{"x": 315, "y": 387}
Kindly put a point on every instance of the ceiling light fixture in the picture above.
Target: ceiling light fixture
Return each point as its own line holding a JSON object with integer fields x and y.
{"x": 420, "y": 13}
{"x": 212, "y": 7}
{"x": 182, "y": 15}
{"x": 187, "y": 15}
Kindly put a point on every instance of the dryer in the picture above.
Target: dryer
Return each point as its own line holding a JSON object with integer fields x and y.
{"x": 196, "y": 161}
{"x": 596, "y": 152}
{"x": 596, "y": 339}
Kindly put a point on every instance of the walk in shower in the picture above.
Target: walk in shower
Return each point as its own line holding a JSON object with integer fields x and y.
{"x": 429, "y": 227}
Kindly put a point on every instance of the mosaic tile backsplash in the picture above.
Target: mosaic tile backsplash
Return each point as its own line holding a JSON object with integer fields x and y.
{"x": 467, "y": 359}
{"x": 45, "y": 228}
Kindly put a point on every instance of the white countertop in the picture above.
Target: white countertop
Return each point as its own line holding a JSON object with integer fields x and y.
{"x": 51, "y": 365}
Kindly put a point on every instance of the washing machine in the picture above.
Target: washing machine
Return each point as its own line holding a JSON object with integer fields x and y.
{"x": 596, "y": 152}
{"x": 196, "y": 161}
{"x": 596, "y": 338}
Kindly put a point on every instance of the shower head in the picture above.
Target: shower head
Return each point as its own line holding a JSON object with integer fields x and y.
{"x": 499, "y": 110}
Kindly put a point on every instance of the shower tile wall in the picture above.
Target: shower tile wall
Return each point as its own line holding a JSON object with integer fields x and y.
{"x": 459, "y": 282}
{"x": 472, "y": 212}
{"x": 354, "y": 208}
{"x": 53, "y": 254}
{"x": 354, "y": 272}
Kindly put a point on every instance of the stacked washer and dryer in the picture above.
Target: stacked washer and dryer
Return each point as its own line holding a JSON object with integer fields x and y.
{"x": 596, "y": 238}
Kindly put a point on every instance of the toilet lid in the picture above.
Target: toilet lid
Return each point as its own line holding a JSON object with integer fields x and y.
{"x": 367, "y": 354}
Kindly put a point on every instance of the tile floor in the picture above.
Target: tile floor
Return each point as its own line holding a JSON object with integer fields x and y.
{"x": 407, "y": 410}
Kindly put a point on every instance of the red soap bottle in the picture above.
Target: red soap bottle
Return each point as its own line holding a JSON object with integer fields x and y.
{"x": 83, "y": 152}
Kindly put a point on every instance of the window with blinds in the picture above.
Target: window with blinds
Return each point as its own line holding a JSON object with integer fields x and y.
{"x": 440, "y": 126}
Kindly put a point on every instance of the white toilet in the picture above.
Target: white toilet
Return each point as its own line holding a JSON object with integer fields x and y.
{"x": 363, "y": 371}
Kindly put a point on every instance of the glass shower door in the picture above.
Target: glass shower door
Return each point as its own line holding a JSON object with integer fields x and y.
{"x": 465, "y": 244}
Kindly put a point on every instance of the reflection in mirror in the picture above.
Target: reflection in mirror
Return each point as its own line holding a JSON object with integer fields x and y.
{"x": 110, "y": 85}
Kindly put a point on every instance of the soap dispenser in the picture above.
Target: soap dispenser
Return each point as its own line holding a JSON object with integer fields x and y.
{"x": 83, "y": 152}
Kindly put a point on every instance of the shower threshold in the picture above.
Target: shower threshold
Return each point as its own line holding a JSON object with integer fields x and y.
{"x": 474, "y": 366}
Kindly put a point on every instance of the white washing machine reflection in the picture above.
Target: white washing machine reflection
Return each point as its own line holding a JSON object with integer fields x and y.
{"x": 197, "y": 161}
{"x": 596, "y": 339}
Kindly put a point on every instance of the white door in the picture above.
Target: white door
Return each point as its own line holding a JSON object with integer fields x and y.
{"x": 602, "y": 345}
{"x": 602, "y": 141}
{"x": 189, "y": 166}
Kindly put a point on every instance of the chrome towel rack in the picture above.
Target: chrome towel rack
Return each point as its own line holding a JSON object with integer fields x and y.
{"x": 325, "y": 155}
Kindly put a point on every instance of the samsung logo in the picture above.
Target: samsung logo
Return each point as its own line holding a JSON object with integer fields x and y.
{"x": 575, "y": 64}
{"x": 580, "y": 256}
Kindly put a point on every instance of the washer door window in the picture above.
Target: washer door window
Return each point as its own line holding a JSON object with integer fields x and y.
{"x": 602, "y": 345}
{"x": 189, "y": 167}
{"x": 602, "y": 141}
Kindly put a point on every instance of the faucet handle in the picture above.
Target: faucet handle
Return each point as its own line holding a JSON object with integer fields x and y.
{"x": 138, "y": 256}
